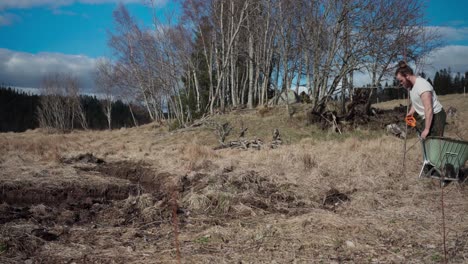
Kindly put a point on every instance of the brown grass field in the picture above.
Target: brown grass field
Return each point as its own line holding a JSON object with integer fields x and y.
{"x": 149, "y": 195}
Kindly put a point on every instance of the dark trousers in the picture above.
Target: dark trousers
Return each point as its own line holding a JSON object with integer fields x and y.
{"x": 437, "y": 125}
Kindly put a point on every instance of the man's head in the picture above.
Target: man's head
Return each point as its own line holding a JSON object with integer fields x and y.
{"x": 403, "y": 74}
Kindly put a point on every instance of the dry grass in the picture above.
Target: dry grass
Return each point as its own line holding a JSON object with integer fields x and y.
{"x": 257, "y": 206}
{"x": 46, "y": 148}
{"x": 198, "y": 157}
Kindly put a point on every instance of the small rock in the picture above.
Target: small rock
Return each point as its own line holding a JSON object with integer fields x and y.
{"x": 350, "y": 244}
{"x": 129, "y": 249}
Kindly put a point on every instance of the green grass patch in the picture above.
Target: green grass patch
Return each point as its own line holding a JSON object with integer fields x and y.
{"x": 3, "y": 247}
{"x": 202, "y": 240}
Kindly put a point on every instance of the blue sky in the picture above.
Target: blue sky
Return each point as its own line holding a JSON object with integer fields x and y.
{"x": 78, "y": 28}
{"x": 40, "y": 36}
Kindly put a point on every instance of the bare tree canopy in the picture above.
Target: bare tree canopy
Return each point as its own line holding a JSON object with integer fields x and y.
{"x": 229, "y": 54}
{"x": 106, "y": 84}
{"x": 60, "y": 105}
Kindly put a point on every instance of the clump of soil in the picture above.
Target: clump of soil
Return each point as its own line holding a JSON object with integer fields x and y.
{"x": 334, "y": 198}
{"x": 137, "y": 173}
{"x": 84, "y": 158}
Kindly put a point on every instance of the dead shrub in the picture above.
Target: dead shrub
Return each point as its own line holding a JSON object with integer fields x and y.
{"x": 39, "y": 209}
{"x": 5, "y": 148}
{"x": 194, "y": 150}
{"x": 221, "y": 202}
{"x": 308, "y": 161}
{"x": 196, "y": 202}
{"x": 152, "y": 213}
{"x": 41, "y": 212}
{"x": 145, "y": 208}
{"x": 239, "y": 194}
{"x": 139, "y": 202}
{"x": 46, "y": 148}
{"x": 144, "y": 201}
{"x": 214, "y": 201}
{"x": 198, "y": 157}
{"x": 263, "y": 111}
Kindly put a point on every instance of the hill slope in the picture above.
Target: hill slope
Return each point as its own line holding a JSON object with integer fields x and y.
{"x": 137, "y": 195}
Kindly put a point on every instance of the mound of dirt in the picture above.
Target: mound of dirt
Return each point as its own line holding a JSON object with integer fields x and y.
{"x": 333, "y": 198}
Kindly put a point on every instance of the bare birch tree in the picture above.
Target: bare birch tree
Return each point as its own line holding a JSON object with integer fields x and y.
{"x": 105, "y": 80}
{"x": 60, "y": 103}
{"x": 248, "y": 48}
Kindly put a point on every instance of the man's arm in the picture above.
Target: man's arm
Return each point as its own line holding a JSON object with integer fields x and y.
{"x": 411, "y": 111}
{"x": 426, "y": 98}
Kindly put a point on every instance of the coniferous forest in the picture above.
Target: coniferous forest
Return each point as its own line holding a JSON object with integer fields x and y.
{"x": 18, "y": 112}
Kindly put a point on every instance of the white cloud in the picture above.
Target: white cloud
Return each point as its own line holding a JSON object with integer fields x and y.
{"x": 453, "y": 56}
{"x": 58, "y": 11}
{"x": 6, "y": 4}
{"x": 7, "y": 19}
{"x": 27, "y": 69}
{"x": 452, "y": 33}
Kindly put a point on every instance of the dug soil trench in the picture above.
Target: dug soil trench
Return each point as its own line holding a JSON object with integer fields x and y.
{"x": 83, "y": 202}
{"x": 94, "y": 211}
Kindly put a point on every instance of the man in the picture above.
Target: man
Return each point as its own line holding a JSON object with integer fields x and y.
{"x": 423, "y": 101}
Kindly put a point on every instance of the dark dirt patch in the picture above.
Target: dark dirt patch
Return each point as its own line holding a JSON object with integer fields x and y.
{"x": 19, "y": 243}
{"x": 111, "y": 196}
{"x": 27, "y": 193}
{"x": 8, "y": 213}
{"x": 334, "y": 198}
{"x": 74, "y": 194}
{"x": 84, "y": 158}
{"x": 136, "y": 173}
{"x": 98, "y": 215}
{"x": 44, "y": 234}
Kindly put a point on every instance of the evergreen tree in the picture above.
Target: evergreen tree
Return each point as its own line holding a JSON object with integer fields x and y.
{"x": 430, "y": 81}
{"x": 457, "y": 83}
{"x": 18, "y": 112}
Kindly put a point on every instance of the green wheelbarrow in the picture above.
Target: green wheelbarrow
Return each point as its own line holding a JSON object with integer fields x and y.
{"x": 444, "y": 158}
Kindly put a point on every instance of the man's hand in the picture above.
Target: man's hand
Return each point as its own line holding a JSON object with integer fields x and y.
{"x": 424, "y": 133}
